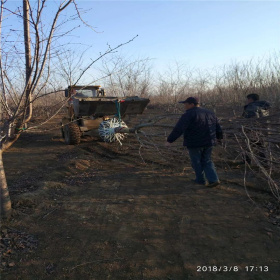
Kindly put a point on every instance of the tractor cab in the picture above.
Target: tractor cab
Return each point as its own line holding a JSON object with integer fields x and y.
{"x": 84, "y": 91}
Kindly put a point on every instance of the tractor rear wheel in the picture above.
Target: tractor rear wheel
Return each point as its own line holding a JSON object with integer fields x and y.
{"x": 72, "y": 134}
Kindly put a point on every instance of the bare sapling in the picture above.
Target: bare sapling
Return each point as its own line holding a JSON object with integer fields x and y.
{"x": 17, "y": 96}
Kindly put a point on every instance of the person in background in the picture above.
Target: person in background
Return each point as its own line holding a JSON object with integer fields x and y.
{"x": 200, "y": 129}
{"x": 255, "y": 108}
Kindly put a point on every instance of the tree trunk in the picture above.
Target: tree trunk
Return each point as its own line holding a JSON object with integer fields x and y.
{"x": 27, "y": 44}
{"x": 6, "y": 205}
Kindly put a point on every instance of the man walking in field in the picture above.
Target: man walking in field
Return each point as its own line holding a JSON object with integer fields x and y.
{"x": 200, "y": 129}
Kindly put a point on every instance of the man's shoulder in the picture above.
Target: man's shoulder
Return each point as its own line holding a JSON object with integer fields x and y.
{"x": 256, "y": 109}
{"x": 193, "y": 111}
{"x": 189, "y": 114}
{"x": 258, "y": 103}
{"x": 254, "y": 106}
{"x": 199, "y": 112}
{"x": 206, "y": 111}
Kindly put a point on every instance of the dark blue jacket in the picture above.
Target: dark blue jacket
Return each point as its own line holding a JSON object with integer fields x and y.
{"x": 200, "y": 128}
{"x": 256, "y": 109}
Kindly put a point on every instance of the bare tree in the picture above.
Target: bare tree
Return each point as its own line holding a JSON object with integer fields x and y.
{"x": 17, "y": 106}
{"x": 70, "y": 65}
{"x": 41, "y": 53}
{"x": 174, "y": 84}
{"x": 127, "y": 76}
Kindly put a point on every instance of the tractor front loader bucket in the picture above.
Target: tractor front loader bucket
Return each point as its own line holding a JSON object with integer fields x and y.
{"x": 107, "y": 106}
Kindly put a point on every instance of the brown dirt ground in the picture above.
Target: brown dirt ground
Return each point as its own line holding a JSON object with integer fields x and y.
{"x": 97, "y": 211}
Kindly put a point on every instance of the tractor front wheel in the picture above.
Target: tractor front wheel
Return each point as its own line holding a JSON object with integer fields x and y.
{"x": 72, "y": 134}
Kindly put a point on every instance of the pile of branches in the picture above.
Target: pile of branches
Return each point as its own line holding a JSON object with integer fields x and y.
{"x": 151, "y": 132}
{"x": 252, "y": 142}
{"x": 256, "y": 142}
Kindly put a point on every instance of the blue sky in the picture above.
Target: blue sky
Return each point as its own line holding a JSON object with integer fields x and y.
{"x": 202, "y": 34}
